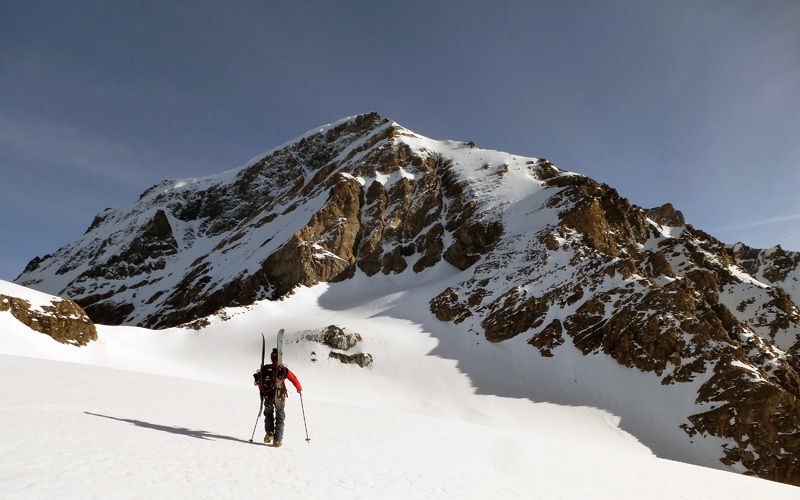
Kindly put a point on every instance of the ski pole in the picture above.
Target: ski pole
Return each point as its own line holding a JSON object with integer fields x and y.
{"x": 302, "y": 407}
{"x": 260, "y": 407}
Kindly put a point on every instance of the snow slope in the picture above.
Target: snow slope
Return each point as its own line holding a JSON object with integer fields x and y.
{"x": 168, "y": 414}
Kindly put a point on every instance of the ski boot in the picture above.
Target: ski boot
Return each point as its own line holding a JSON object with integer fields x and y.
{"x": 268, "y": 438}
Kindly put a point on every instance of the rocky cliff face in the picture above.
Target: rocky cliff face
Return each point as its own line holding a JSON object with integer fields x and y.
{"x": 614, "y": 279}
{"x": 545, "y": 254}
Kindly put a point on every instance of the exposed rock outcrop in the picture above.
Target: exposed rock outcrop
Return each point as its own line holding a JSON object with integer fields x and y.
{"x": 63, "y": 320}
{"x": 666, "y": 215}
{"x": 362, "y": 359}
{"x": 337, "y": 338}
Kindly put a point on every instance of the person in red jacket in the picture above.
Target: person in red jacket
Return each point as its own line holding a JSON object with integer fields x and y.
{"x": 274, "y": 411}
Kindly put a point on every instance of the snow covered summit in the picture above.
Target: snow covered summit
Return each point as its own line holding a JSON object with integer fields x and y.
{"x": 363, "y": 194}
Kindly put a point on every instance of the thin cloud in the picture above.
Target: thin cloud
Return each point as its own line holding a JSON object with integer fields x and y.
{"x": 764, "y": 222}
{"x": 59, "y": 145}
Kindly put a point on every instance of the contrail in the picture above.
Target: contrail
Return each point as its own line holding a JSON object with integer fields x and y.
{"x": 764, "y": 222}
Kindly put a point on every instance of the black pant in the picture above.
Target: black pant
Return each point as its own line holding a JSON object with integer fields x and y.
{"x": 274, "y": 415}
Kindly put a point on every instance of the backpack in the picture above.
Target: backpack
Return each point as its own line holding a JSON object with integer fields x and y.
{"x": 271, "y": 377}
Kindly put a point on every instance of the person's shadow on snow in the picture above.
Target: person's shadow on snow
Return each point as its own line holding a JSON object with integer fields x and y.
{"x": 170, "y": 428}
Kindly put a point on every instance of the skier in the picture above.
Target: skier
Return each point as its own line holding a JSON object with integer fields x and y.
{"x": 274, "y": 412}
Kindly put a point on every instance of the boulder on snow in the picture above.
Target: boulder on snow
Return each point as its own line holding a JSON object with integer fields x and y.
{"x": 336, "y": 337}
{"x": 63, "y": 320}
{"x": 362, "y": 359}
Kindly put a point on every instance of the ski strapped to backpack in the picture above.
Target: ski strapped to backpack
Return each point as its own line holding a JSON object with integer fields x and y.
{"x": 261, "y": 372}
{"x": 261, "y": 384}
{"x": 278, "y": 382}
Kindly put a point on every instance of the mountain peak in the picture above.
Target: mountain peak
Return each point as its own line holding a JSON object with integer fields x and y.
{"x": 190, "y": 246}
{"x": 549, "y": 260}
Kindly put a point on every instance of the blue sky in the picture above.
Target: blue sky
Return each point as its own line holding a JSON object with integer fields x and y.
{"x": 696, "y": 103}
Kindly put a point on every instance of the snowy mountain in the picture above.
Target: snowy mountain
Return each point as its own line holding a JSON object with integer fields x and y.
{"x": 168, "y": 414}
{"x": 545, "y": 275}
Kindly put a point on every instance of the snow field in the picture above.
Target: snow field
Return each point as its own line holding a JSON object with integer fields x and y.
{"x": 168, "y": 414}
{"x": 82, "y": 431}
